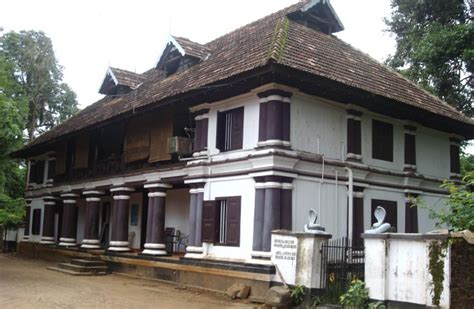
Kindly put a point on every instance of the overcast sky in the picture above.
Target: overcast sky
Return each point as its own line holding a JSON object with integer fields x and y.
{"x": 88, "y": 36}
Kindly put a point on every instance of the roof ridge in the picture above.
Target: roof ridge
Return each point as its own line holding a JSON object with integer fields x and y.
{"x": 280, "y": 36}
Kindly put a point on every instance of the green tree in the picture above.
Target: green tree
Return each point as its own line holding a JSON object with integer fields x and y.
{"x": 435, "y": 47}
{"x": 13, "y": 111}
{"x": 40, "y": 76}
{"x": 467, "y": 163}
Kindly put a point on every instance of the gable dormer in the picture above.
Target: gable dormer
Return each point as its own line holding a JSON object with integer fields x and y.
{"x": 118, "y": 81}
{"x": 318, "y": 15}
{"x": 180, "y": 54}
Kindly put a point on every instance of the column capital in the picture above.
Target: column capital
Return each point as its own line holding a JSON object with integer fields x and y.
{"x": 275, "y": 93}
{"x": 157, "y": 186}
{"x": 121, "y": 192}
{"x": 69, "y": 197}
{"x": 93, "y": 192}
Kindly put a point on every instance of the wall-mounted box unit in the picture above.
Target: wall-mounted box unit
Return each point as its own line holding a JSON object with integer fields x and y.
{"x": 180, "y": 145}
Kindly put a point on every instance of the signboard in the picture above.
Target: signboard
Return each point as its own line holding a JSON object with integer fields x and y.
{"x": 284, "y": 252}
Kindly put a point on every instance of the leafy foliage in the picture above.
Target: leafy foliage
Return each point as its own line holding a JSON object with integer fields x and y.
{"x": 297, "y": 294}
{"x": 35, "y": 67}
{"x": 357, "y": 295}
{"x": 12, "y": 211}
{"x": 459, "y": 211}
{"x": 435, "y": 47}
{"x": 467, "y": 163}
{"x": 437, "y": 253}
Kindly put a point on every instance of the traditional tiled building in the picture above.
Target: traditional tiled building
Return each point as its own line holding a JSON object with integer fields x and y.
{"x": 227, "y": 141}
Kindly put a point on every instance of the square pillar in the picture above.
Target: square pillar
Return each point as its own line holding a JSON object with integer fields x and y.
{"x": 195, "y": 248}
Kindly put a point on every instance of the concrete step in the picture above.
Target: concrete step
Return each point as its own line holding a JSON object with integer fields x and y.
{"x": 83, "y": 269}
{"x": 85, "y": 262}
{"x": 75, "y": 273}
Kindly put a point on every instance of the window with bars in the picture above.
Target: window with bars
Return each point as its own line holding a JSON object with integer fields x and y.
{"x": 221, "y": 221}
{"x": 230, "y": 128}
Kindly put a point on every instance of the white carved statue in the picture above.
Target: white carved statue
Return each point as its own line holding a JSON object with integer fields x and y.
{"x": 379, "y": 227}
{"x": 312, "y": 226}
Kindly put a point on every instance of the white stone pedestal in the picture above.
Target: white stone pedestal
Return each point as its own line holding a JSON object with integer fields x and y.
{"x": 298, "y": 257}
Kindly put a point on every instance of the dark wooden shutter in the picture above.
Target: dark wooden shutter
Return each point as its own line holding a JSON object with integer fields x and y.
{"x": 210, "y": 221}
{"x": 35, "y": 227}
{"x": 382, "y": 140}
{"x": 410, "y": 150}
{"x": 220, "y": 132}
{"x": 237, "y": 128}
{"x": 411, "y": 218}
{"x": 353, "y": 136}
{"x": 233, "y": 221}
{"x": 391, "y": 208}
{"x": 51, "y": 169}
{"x": 454, "y": 156}
{"x": 357, "y": 221}
{"x": 39, "y": 172}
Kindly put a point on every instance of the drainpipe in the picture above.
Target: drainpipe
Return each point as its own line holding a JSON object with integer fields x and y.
{"x": 350, "y": 178}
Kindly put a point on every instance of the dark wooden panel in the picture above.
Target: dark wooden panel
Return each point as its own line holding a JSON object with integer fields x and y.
{"x": 237, "y": 128}
{"x": 358, "y": 221}
{"x": 210, "y": 226}
{"x": 410, "y": 149}
{"x": 233, "y": 221}
{"x": 36, "y": 225}
{"x": 411, "y": 218}
{"x": 382, "y": 140}
{"x": 454, "y": 159}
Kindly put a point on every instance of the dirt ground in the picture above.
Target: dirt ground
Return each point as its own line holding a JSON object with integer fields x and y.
{"x": 26, "y": 283}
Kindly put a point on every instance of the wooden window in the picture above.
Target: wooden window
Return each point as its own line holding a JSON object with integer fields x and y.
{"x": 221, "y": 221}
{"x": 454, "y": 156}
{"x": 382, "y": 140}
{"x": 230, "y": 129}
{"x": 35, "y": 226}
{"x": 391, "y": 209}
{"x": 410, "y": 150}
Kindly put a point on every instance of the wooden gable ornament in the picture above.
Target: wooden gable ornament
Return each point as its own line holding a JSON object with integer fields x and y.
{"x": 181, "y": 54}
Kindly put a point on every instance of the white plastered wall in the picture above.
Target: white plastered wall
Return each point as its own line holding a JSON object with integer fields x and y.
{"x": 312, "y": 120}
{"x": 177, "y": 210}
{"x": 236, "y": 186}
{"x": 432, "y": 153}
{"x": 331, "y": 215}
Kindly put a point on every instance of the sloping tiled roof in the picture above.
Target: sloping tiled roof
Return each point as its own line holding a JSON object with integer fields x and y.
{"x": 192, "y": 48}
{"x": 128, "y": 78}
{"x": 272, "y": 38}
